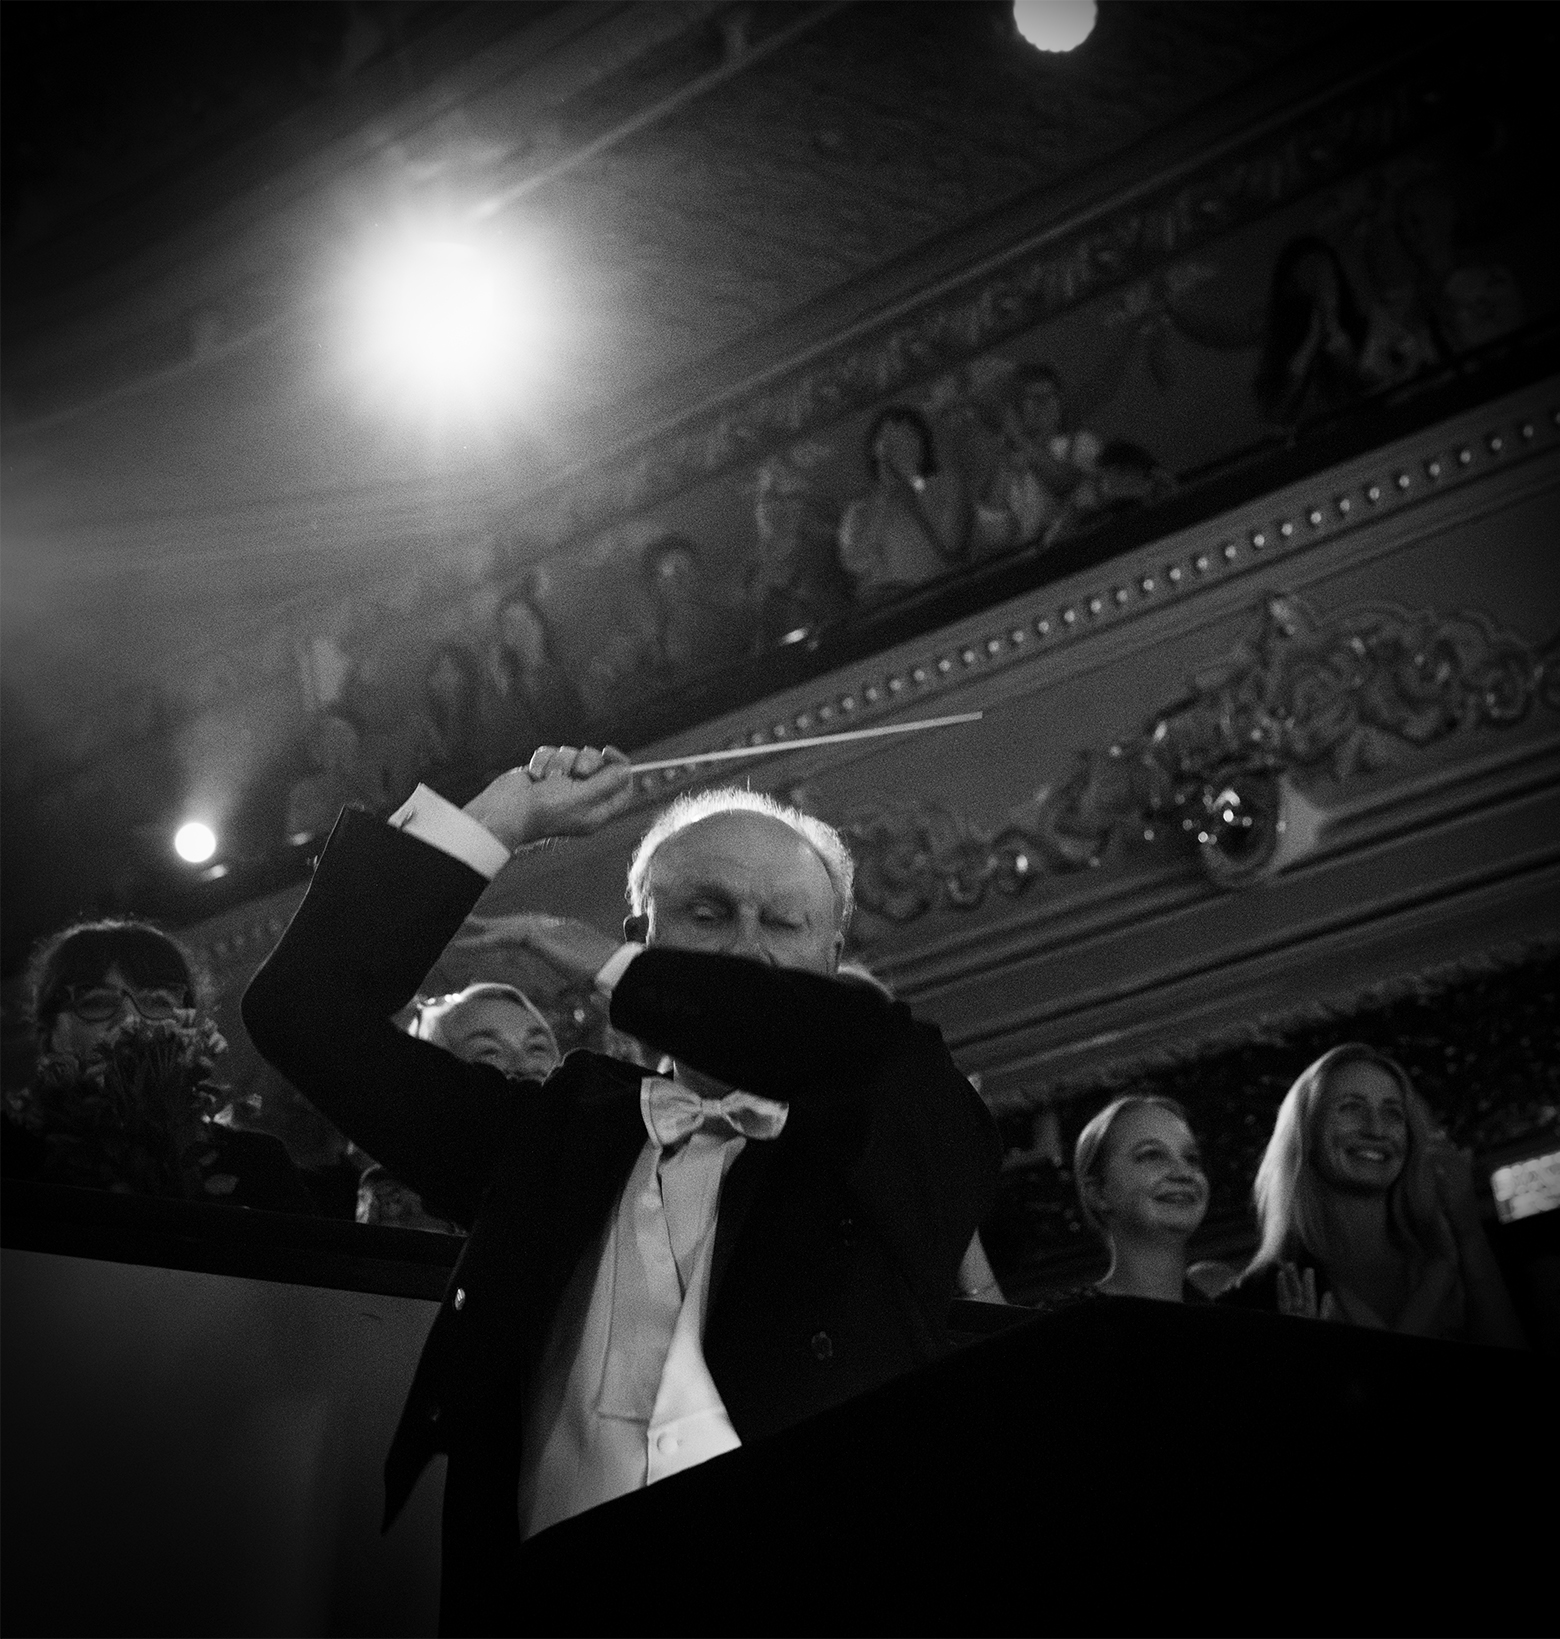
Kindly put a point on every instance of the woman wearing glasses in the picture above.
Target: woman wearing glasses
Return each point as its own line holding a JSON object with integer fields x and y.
{"x": 124, "y": 1094}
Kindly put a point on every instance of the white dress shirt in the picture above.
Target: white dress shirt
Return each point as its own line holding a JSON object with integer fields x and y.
{"x": 622, "y": 1395}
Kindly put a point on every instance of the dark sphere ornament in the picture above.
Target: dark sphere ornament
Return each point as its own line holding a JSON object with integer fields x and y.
{"x": 1236, "y": 819}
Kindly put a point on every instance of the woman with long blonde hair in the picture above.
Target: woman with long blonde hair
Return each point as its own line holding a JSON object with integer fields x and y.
{"x": 1368, "y": 1215}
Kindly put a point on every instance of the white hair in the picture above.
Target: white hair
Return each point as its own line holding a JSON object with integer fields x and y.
{"x": 689, "y": 809}
{"x": 428, "y": 1022}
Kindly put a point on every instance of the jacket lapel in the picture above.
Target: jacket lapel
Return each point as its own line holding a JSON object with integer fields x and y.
{"x": 737, "y": 1194}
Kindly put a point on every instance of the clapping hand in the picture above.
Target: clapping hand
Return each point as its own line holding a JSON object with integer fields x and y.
{"x": 561, "y": 792}
{"x": 1297, "y": 1295}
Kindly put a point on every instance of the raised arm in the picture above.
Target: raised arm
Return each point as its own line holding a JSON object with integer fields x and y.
{"x": 383, "y": 904}
{"x": 381, "y": 908}
{"x": 858, "y": 1071}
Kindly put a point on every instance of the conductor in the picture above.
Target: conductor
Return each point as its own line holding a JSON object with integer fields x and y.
{"x": 659, "y": 1269}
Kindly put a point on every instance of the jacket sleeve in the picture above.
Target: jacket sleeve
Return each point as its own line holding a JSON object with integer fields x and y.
{"x": 381, "y": 908}
{"x": 916, "y": 1140}
{"x": 774, "y": 1031}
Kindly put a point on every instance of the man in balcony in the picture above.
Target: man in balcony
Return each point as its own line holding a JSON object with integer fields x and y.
{"x": 659, "y": 1268}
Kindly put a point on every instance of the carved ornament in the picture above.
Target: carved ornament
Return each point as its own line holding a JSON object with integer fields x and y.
{"x": 1303, "y": 698}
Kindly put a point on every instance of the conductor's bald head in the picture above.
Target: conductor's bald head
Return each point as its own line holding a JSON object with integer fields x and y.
{"x": 737, "y": 873}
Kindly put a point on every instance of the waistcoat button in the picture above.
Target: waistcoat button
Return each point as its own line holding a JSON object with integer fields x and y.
{"x": 822, "y": 1346}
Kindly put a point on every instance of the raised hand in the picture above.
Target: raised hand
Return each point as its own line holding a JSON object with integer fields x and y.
{"x": 561, "y": 792}
{"x": 1297, "y": 1295}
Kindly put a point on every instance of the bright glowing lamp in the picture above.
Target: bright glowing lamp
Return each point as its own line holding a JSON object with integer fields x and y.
{"x": 447, "y": 321}
{"x": 195, "y": 842}
{"x": 1054, "y": 25}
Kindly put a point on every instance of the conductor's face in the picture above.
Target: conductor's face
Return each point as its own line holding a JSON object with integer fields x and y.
{"x": 743, "y": 884}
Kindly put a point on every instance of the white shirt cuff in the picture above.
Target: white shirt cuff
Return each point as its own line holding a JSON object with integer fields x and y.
{"x": 431, "y": 819}
{"x": 614, "y": 967}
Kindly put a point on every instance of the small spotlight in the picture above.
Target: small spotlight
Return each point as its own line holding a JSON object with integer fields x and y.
{"x": 195, "y": 842}
{"x": 1054, "y": 25}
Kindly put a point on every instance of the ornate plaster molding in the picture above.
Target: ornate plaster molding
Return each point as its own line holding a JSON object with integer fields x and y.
{"x": 1300, "y": 697}
{"x": 1033, "y": 629}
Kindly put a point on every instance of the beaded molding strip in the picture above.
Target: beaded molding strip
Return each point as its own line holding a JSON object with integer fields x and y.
{"x": 1400, "y": 483}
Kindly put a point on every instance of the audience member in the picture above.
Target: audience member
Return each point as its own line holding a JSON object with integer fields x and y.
{"x": 1120, "y": 478}
{"x": 486, "y": 1023}
{"x": 680, "y": 631}
{"x": 674, "y": 575}
{"x": 453, "y": 697}
{"x": 1139, "y": 1175}
{"x": 1367, "y": 1215}
{"x": 1038, "y": 467}
{"x": 1324, "y": 350}
{"x": 914, "y": 523}
{"x": 795, "y": 584}
{"x": 124, "y": 1095}
{"x": 809, "y": 1176}
{"x": 533, "y": 699}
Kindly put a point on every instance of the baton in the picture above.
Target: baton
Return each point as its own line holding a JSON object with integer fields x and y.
{"x": 693, "y": 759}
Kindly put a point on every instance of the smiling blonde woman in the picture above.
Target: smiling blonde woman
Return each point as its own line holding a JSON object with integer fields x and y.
{"x": 1368, "y": 1215}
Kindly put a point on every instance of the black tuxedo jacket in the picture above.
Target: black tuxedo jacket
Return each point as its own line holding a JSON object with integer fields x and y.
{"x": 837, "y": 1244}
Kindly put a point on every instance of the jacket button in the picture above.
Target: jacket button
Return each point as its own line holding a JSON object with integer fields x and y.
{"x": 822, "y": 1346}
{"x": 847, "y": 1228}
{"x": 460, "y": 1298}
{"x": 434, "y": 1411}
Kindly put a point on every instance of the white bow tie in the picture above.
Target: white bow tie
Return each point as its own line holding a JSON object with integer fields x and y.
{"x": 673, "y": 1112}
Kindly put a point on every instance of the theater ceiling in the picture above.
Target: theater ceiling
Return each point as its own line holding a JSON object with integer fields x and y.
{"x": 212, "y": 521}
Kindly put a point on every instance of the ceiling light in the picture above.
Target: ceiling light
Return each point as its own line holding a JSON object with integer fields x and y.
{"x": 1054, "y": 25}
{"x": 195, "y": 842}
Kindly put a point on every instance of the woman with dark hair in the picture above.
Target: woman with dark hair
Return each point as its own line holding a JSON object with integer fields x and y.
{"x": 1316, "y": 334}
{"x": 1323, "y": 349}
{"x": 534, "y": 700}
{"x": 914, "y": 524}
{"x": 1367, "y": 1215}
{"x": 125, "y": 1095}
